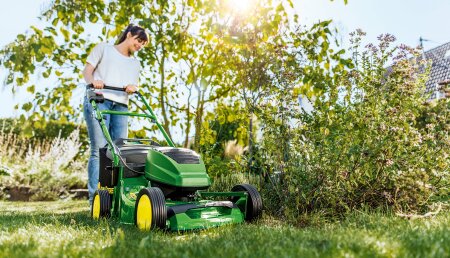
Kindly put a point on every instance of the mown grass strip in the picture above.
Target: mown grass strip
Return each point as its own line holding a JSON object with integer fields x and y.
{"x": 63, "y": 229}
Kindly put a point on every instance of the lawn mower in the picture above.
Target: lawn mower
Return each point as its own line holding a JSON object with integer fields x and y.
{"x": 165, "y": 187}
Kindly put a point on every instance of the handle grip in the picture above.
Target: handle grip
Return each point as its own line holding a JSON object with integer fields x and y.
{"x": 106, "y": 87}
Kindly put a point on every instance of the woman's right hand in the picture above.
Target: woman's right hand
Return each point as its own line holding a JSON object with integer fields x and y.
{"x": 98, "y": 84}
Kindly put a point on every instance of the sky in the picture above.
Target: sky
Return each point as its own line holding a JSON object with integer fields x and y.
{"x": 408, "y": 20}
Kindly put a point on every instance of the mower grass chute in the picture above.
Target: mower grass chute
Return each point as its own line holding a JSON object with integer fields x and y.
{"x": 165, "y": 187}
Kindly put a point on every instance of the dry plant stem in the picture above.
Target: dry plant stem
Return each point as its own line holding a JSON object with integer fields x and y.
{"x": 417, "y": 216}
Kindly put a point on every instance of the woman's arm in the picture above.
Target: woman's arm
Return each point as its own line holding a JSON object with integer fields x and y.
{"x": 88, "y": 74}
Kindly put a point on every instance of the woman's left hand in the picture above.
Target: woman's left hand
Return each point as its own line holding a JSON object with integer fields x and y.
{"x": 130, "y": 89}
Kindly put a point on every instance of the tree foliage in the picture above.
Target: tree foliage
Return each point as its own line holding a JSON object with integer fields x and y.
{"x": 59, "y": 51}
{"x": 207, "y": 47}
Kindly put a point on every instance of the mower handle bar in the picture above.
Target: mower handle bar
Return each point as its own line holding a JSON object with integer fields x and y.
{"x": 152, "y": 115}
{"x": 91, "y": 86}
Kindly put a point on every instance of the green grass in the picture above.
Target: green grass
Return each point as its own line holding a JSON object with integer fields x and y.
{"x": 63, "y": 228}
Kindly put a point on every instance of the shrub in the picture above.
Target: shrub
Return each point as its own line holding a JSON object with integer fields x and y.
{"x": 45, "y": 132}
{"x": 369, "y": 142}
{"x": 44, "y": 170}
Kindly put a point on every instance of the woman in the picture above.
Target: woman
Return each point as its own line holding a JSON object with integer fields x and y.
{"x": 112, "y": 65}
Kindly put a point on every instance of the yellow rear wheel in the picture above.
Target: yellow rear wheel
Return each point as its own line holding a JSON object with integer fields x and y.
{"x": 144, "y": 213}
{"x": 254, "y": 207}
{"x": 101, "y": 205}
{"x": 96, "y": 207}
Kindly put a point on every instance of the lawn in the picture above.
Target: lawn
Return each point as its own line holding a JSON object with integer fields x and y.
{"x": 63, "y": 228}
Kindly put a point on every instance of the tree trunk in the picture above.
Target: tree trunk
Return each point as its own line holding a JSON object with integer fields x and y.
{"x": 188, "y": 125}
{"x": 199, "y": 118}
{"x": 166, "y": 121}
{"x": 250, "y": 136}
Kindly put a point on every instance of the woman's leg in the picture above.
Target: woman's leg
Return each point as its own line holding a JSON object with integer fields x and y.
{"x": 97, "y": 140}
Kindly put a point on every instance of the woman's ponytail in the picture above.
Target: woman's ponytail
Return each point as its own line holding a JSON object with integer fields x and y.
{"x": 123, "y": 35}
{"x": 135, "y": 31}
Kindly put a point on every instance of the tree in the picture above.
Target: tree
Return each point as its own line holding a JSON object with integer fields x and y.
{"x": 60, "y": 49}
{"x": 254, "y": 40}
{"x": 207, "y": 70}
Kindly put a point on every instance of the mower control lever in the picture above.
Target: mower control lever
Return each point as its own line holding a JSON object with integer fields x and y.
{"x": 124, "y": 141}
{"x": 95, "y": 96}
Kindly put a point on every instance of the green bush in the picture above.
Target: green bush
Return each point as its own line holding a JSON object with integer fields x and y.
{"x": 225, "y": 125}
{"x": 40, "y": 171}
{"x": 370, "y": 141}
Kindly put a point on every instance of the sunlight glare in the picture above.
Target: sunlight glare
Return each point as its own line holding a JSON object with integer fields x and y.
{"x": 240, "y": 6}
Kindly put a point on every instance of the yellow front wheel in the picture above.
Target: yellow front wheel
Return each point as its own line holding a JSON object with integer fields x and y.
{"x": 150, "y": 209}
{"x": 144, "y": 213}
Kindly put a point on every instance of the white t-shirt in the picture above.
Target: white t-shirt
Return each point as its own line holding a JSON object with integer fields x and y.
{"x": 114, "y": 69}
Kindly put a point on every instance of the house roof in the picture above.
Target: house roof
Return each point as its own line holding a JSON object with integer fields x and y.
{"x": 440, "y": 69}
